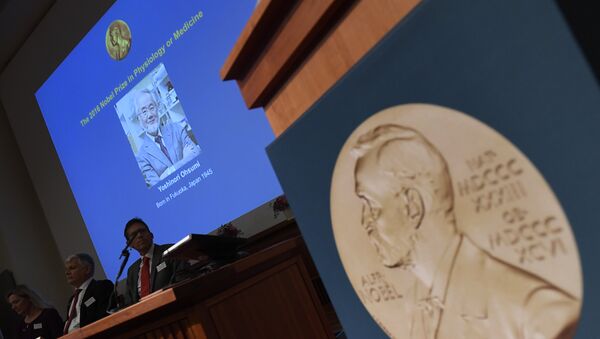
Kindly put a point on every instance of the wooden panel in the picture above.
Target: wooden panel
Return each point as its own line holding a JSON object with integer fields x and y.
{"x": 178, "y": 325}
{"x": 287, "y": 49}
{"x": 178, "y": 330}
{"x": 271, "y": 286}
{"x": 267, "y": 16}
{"x": 139, "y": 310}
{"x": 275, "y": 41}
{"x": 365, "y": 24}
{"x": 291, "y": 52}
{"x": 283, "y": 294}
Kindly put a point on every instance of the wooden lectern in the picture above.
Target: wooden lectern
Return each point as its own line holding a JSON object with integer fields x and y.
{"x": 268, "y": 294}
{"x": 291, "y": 52}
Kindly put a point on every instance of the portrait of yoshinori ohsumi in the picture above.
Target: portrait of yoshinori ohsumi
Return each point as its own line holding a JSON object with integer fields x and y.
{"x": 156, "y": 126}
{"x": 460, "y": 290}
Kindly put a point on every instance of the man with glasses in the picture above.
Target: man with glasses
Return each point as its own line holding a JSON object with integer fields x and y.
{"x": 150, "y": 272}
{"x": 165, "y": 148}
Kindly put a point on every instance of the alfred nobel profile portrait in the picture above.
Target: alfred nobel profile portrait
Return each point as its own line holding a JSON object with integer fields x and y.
{"x": 461, "y": 290}
{"x": 118, "y": 40}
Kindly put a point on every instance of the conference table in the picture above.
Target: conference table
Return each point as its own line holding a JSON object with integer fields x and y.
{"x": 267, "y": 294}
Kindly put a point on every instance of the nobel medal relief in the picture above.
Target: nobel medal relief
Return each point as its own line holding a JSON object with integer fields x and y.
{"x": 118, "y": 40}
{"x": 446, "y": 230}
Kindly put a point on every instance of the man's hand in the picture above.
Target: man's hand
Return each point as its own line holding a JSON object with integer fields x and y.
{"x": 190, "y": 150}
{"x": 167, "y": 172}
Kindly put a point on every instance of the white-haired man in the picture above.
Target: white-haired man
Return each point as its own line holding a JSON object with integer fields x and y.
{"x": 90, "y": 298}
{"x": 164, "y": 148}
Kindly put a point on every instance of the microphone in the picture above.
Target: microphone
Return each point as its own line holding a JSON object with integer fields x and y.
{"x": 115, "y": 303}
{"x": 125, "y": 251}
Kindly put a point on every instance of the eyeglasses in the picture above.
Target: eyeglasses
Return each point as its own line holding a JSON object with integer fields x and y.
{"x": 147, "y": 110}
{"x": 134, "y": 234}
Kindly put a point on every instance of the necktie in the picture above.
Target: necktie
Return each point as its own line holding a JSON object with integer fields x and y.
{"x": 158, "y": 140}
{"x": 145, "y": 278}
{"x": 72, "y": 311}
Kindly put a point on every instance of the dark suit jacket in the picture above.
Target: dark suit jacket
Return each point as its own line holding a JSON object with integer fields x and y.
{"x": 158, "y": 279}
{"x": 153, "y": 162}
{"x": 100, "y": 290}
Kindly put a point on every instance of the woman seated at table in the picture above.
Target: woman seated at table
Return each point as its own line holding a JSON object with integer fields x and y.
{"x": 38, "y": 318}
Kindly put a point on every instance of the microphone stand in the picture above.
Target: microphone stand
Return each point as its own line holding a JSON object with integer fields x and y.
{"x": 115, "y": 303}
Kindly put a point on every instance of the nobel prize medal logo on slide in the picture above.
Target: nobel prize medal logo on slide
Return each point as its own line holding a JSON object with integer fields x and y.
{"x": 118, "y": 40}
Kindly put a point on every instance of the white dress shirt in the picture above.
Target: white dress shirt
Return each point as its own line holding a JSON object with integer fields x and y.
{"x": 77, "y": 320}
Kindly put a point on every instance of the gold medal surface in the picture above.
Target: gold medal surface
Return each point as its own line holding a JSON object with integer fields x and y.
{"x": 118, "y": 40}
{"x": 446, "y": 230}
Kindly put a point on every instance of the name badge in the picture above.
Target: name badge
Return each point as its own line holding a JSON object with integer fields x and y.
{"x": 161, "y": 266}
{"x": 37, "y": 326}
{"x": 89, "y": 302}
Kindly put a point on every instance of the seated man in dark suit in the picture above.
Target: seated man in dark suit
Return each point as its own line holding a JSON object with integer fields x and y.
{"x": 150, "y": 272}
{"x": 90, "y": 299}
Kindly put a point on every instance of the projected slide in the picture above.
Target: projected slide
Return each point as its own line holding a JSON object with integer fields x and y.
{"x": 143, "y": 125}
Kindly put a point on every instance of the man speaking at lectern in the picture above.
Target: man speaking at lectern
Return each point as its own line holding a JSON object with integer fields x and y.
{"x": 150, "y": 272}
{"x": 164, "y": 148}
